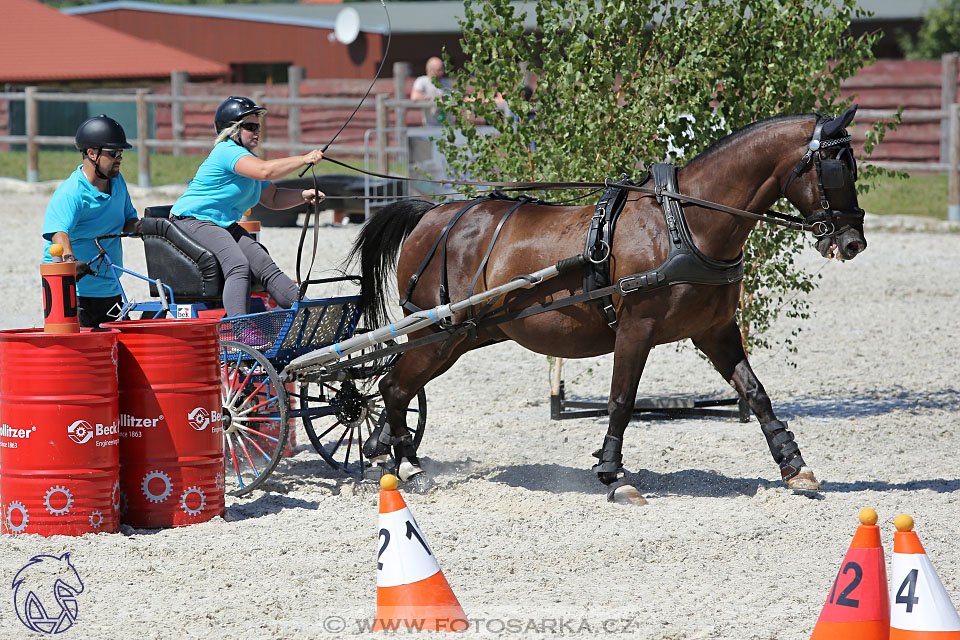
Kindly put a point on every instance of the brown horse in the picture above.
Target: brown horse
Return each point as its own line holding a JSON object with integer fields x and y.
{"x": 805, "y": 158}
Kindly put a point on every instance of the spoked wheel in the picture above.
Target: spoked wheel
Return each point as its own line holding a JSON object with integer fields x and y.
{"x": 339, "y": 415}
{"x": 255, "y": 410}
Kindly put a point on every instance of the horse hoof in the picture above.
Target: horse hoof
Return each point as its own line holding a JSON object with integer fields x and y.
{"x": 408, "y": 470}
{"x": 626, "y": 494}
{"x": 803, "y": 481}
{"x": 420, "y": 483}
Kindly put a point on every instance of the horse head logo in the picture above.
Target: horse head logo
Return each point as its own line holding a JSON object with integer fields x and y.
{"x": 45, "y": 594}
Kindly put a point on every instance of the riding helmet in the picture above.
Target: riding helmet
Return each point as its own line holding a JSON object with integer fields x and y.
{"x": 101, "y": 132}
{"x": 234, "y": 109}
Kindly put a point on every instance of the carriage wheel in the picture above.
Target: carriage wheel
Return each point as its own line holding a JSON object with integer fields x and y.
{"x": 255, "y": 410}
{"x": 355, "y": 409}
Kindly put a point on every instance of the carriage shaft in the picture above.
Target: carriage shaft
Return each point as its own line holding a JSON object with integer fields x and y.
{"x": 415, "y": 321}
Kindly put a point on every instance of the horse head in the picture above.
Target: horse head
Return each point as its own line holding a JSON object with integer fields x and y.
{"x": 823, "y": 188}
{"x": 41, "y": 582}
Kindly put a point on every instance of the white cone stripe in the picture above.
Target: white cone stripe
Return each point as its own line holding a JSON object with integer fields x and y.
{"x": 403, "y": 555}
{"x": 930, "y": 606}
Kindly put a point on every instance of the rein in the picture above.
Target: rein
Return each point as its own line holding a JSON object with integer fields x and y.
{"x": 771, "y": 216}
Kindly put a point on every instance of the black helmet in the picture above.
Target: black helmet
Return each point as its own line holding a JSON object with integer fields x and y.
{"x": 235, "y": 109}
{"x": 101, "y": 133}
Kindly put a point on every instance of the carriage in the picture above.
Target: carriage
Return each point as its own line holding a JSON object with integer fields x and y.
{"x": 261, "y": 401}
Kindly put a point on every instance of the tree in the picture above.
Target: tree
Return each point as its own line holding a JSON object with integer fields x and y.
{"x": 939, "y": 33}
{"x": 620, "y": 84}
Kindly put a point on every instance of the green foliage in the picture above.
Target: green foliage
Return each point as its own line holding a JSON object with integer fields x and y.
{"x": 620, "y": 85}
{"x": 939, "y": 33}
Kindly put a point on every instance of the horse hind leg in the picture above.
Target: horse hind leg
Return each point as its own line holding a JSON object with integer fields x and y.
{"x": 724, "y": 347}
{"x": 398, "y": 388}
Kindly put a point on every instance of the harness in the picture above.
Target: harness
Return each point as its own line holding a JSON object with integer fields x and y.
{"x": 829, "y": 176}
{"x": 685, "y": 264}
{"x": 598, "y": 248}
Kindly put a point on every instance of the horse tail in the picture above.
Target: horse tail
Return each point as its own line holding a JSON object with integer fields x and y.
{"x": 377, "y": 248}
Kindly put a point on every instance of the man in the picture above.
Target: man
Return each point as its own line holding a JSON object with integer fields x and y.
{"x": 424, "y": 89}
{"x": 93, "y": 201}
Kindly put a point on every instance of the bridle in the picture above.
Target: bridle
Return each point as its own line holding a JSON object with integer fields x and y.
{"x": 827, "y": 220}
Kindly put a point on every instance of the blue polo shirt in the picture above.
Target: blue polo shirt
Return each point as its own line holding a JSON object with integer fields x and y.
{"x": 218, "y": 193}
{"x": 83, "y": 212}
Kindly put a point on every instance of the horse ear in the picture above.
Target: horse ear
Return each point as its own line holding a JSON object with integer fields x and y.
{"x": 840, "y": 122}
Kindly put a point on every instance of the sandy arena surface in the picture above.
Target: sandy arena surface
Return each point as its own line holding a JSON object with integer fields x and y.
{"x": 519, "y": 525}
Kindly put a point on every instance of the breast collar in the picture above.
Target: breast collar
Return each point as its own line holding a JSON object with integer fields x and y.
{"x": 684, "y": 263}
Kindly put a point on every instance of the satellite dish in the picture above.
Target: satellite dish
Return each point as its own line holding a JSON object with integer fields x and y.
{"x": 347, "y": 27}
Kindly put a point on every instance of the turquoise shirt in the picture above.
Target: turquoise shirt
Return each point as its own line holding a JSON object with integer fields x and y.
{"x": 218, "y": 193}
{"x": 81, "y": 211}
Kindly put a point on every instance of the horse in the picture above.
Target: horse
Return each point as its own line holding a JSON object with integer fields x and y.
{"x": 486, "y": 246}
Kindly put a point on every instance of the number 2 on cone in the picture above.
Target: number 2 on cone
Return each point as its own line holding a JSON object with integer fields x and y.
{"x": 411, "y": 534}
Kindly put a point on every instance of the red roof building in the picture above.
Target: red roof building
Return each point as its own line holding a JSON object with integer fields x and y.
{"x": 39, "y": 44}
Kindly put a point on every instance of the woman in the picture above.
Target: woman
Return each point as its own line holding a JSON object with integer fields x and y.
{"x": 231, "y": 180}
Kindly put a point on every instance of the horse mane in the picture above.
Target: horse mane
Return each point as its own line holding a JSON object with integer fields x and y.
{"x": 745, "y": 132}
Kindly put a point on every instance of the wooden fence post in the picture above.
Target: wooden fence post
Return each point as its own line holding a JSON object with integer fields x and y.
{"x": 953, "y": 210}
{"x": 177, "y": 81}
{"x": 948, "y": 96}
{"x": 33, "y": 156}
{"x": 259, "y": 97}
{"x": 401, "y": 71}
{"x": 382, "y": 161}
{"x": 295, "y": 75}
{"x": 143, "y": 132}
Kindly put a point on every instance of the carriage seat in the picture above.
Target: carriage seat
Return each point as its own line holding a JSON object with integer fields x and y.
{"x": 178, "y": 260}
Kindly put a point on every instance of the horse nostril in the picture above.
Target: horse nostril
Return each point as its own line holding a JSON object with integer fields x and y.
{"x": 853, "y": 248}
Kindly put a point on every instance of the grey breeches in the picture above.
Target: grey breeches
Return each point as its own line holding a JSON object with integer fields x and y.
{"x": 240, "y": 257}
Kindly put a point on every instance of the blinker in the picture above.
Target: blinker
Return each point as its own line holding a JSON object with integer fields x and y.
{"x": 831, "y": 173}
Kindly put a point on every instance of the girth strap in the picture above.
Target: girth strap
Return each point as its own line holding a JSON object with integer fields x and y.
{"x": 599, "y": 247}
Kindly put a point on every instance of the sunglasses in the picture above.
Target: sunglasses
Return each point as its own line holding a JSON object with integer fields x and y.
{"x": 113, "y": 153}
{"x": 252, "y": 127}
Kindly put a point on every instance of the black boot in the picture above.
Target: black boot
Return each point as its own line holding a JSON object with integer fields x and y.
{"x": 784, "y": 449}
{"x": 611, "y": 461}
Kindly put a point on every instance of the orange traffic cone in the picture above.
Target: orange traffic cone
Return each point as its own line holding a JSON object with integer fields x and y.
{"x": 411, "y": 589}
{"x": 857, "y": 607}
{"x": 921, "y": 608}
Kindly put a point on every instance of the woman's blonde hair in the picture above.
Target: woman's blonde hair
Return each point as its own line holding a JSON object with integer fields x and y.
{"x": 232, "y": 132}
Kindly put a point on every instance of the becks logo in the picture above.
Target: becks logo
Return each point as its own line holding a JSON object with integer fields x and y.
{"x": 80, "y": 431}
{"x": 200, "y": 418}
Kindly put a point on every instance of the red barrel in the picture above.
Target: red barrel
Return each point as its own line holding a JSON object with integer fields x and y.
{"x": 171, "y": 430}
{"x": 59, "y": 442}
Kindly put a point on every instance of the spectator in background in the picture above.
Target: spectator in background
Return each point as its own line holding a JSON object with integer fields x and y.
{"x": 425, "y": 89}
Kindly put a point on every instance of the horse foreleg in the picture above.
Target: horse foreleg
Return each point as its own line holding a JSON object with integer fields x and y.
{"x": 724, "y": 347}
{"x": 630, "y": 353}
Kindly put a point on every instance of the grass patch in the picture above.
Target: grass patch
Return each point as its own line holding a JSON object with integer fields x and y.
{"x": 918, "y": 195}
{"x": 164, "y": 168}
